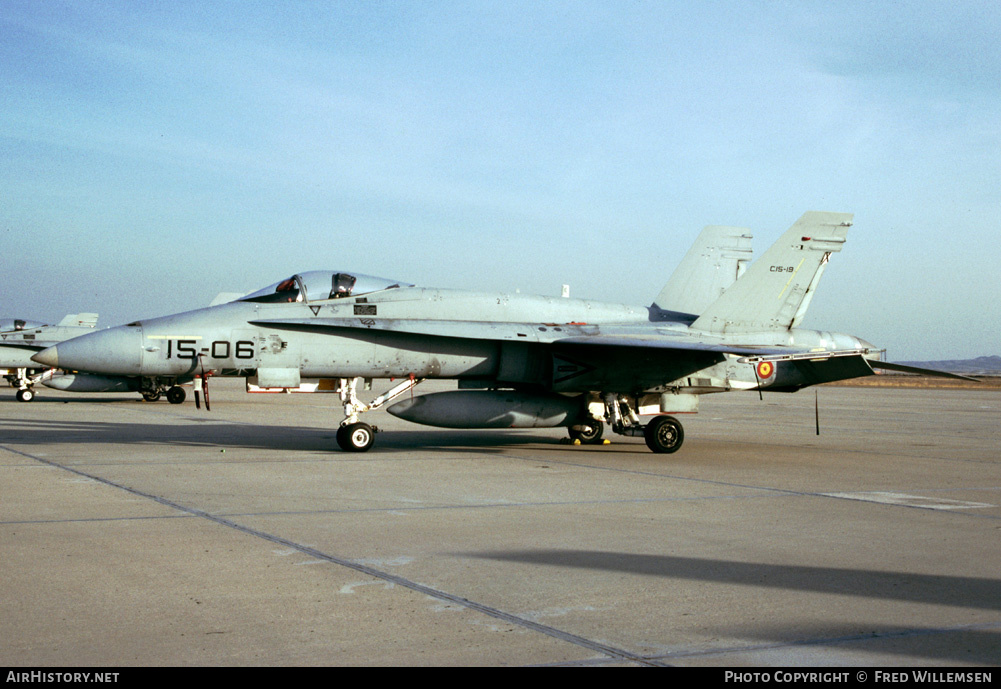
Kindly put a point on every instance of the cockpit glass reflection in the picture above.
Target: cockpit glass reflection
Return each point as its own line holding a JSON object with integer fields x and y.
{"x": 319, "y": 285}
{"x": 13, "y": 324}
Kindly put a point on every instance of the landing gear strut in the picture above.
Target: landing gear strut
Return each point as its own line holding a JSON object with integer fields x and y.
{"x": 25, "y": 383}
{"x": 664, "y": 434}
{"x": 357, "y": 436}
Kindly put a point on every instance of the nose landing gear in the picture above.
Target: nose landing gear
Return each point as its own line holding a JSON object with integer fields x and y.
{"x": 25, "y": 383}
{"x": 357, "y": 436}
{"x": 152, "y": 389}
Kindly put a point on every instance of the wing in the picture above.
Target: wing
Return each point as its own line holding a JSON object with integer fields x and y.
{"x": 901, "y": 368}
{"x": 563, "y": 334}
{"x": 570, "y": 357}
{"x": 614, "y": 357}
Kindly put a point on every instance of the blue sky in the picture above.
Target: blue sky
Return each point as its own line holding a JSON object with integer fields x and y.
{"x": 153, "y": 154}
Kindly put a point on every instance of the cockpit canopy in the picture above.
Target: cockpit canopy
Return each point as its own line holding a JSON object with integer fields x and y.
{"x": 318, "y": 285}
{"x": 9, "y": 324}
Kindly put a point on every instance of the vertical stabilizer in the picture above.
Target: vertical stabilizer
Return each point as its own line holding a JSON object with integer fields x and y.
{"x": 86, "y": 320}
{"x": 717, "y": 258}
{"x": 776, "y": 290}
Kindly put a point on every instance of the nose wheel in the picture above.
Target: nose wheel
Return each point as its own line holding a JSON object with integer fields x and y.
{"x": 355, "y": 437}
{"x": 153, "y": 389}
{"x": 24, "y": 382}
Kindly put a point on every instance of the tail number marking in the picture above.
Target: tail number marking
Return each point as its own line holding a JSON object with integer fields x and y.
{"x": 219, "y": 349}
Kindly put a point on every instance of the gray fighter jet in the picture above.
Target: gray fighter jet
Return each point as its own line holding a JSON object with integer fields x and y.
{"x": 521, "y": 361}
{"x": 150, "y": 388}
{"x": 718, "y": 256}
{"x": 20, "y": 339}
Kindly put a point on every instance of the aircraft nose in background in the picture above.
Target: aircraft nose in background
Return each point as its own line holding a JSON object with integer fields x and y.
{"x": 47, "y": 357}
{"x": 113, "y": 351}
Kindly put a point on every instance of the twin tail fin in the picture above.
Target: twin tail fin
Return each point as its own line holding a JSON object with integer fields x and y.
{"x": 775, "y": 292}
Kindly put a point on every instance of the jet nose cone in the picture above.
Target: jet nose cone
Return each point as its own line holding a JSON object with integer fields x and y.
{"x": 47, "y": 357}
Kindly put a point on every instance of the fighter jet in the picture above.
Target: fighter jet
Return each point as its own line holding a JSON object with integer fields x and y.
{"x": 151, "y": 389}
{"x": 20, "y": 339}
{"x": 520, "y": 361}
{"x": 719, "y": 255}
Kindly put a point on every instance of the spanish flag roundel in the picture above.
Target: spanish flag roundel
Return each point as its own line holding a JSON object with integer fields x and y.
{"x": 765, "y": 369}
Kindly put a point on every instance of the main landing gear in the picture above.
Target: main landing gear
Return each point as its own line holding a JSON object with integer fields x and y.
{"x": 152, "y": 389}
{"x": 357, "y": 436}
{"x": 588, "y": 432}
{"x": 663, "y": 434}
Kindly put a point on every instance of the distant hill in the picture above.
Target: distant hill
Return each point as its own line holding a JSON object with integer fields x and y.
{"x": 983, "y": 365}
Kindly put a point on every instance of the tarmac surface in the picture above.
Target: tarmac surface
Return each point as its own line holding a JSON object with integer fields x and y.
{"x": 145, "y": 534}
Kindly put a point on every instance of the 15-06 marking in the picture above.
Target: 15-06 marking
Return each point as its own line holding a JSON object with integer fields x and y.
{"x": 218, "y": 349}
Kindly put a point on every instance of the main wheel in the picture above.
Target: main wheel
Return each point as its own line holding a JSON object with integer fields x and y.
{"x": 355, "y": 437}
{"x": 151, "y": 396}
{"x": 25, "y": 395}
{"x": 591, "y": 435}
{"x": 664, "y": 434}
{"x": 176, "y": 395}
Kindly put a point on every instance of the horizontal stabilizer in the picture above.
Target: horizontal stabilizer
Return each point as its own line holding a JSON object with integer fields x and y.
{"x": 801, "y": 355}
{"x": 918, "y": 371}
{"x": 796, "y": 373}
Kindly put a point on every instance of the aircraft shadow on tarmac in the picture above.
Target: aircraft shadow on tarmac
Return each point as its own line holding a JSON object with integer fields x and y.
{"x": 976, "y": 646}
{"x": 226, "y": 435}
{"x": 928, "y": 589}
{"x": 935, "y": 589}
{"x": 209, "y": 433}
